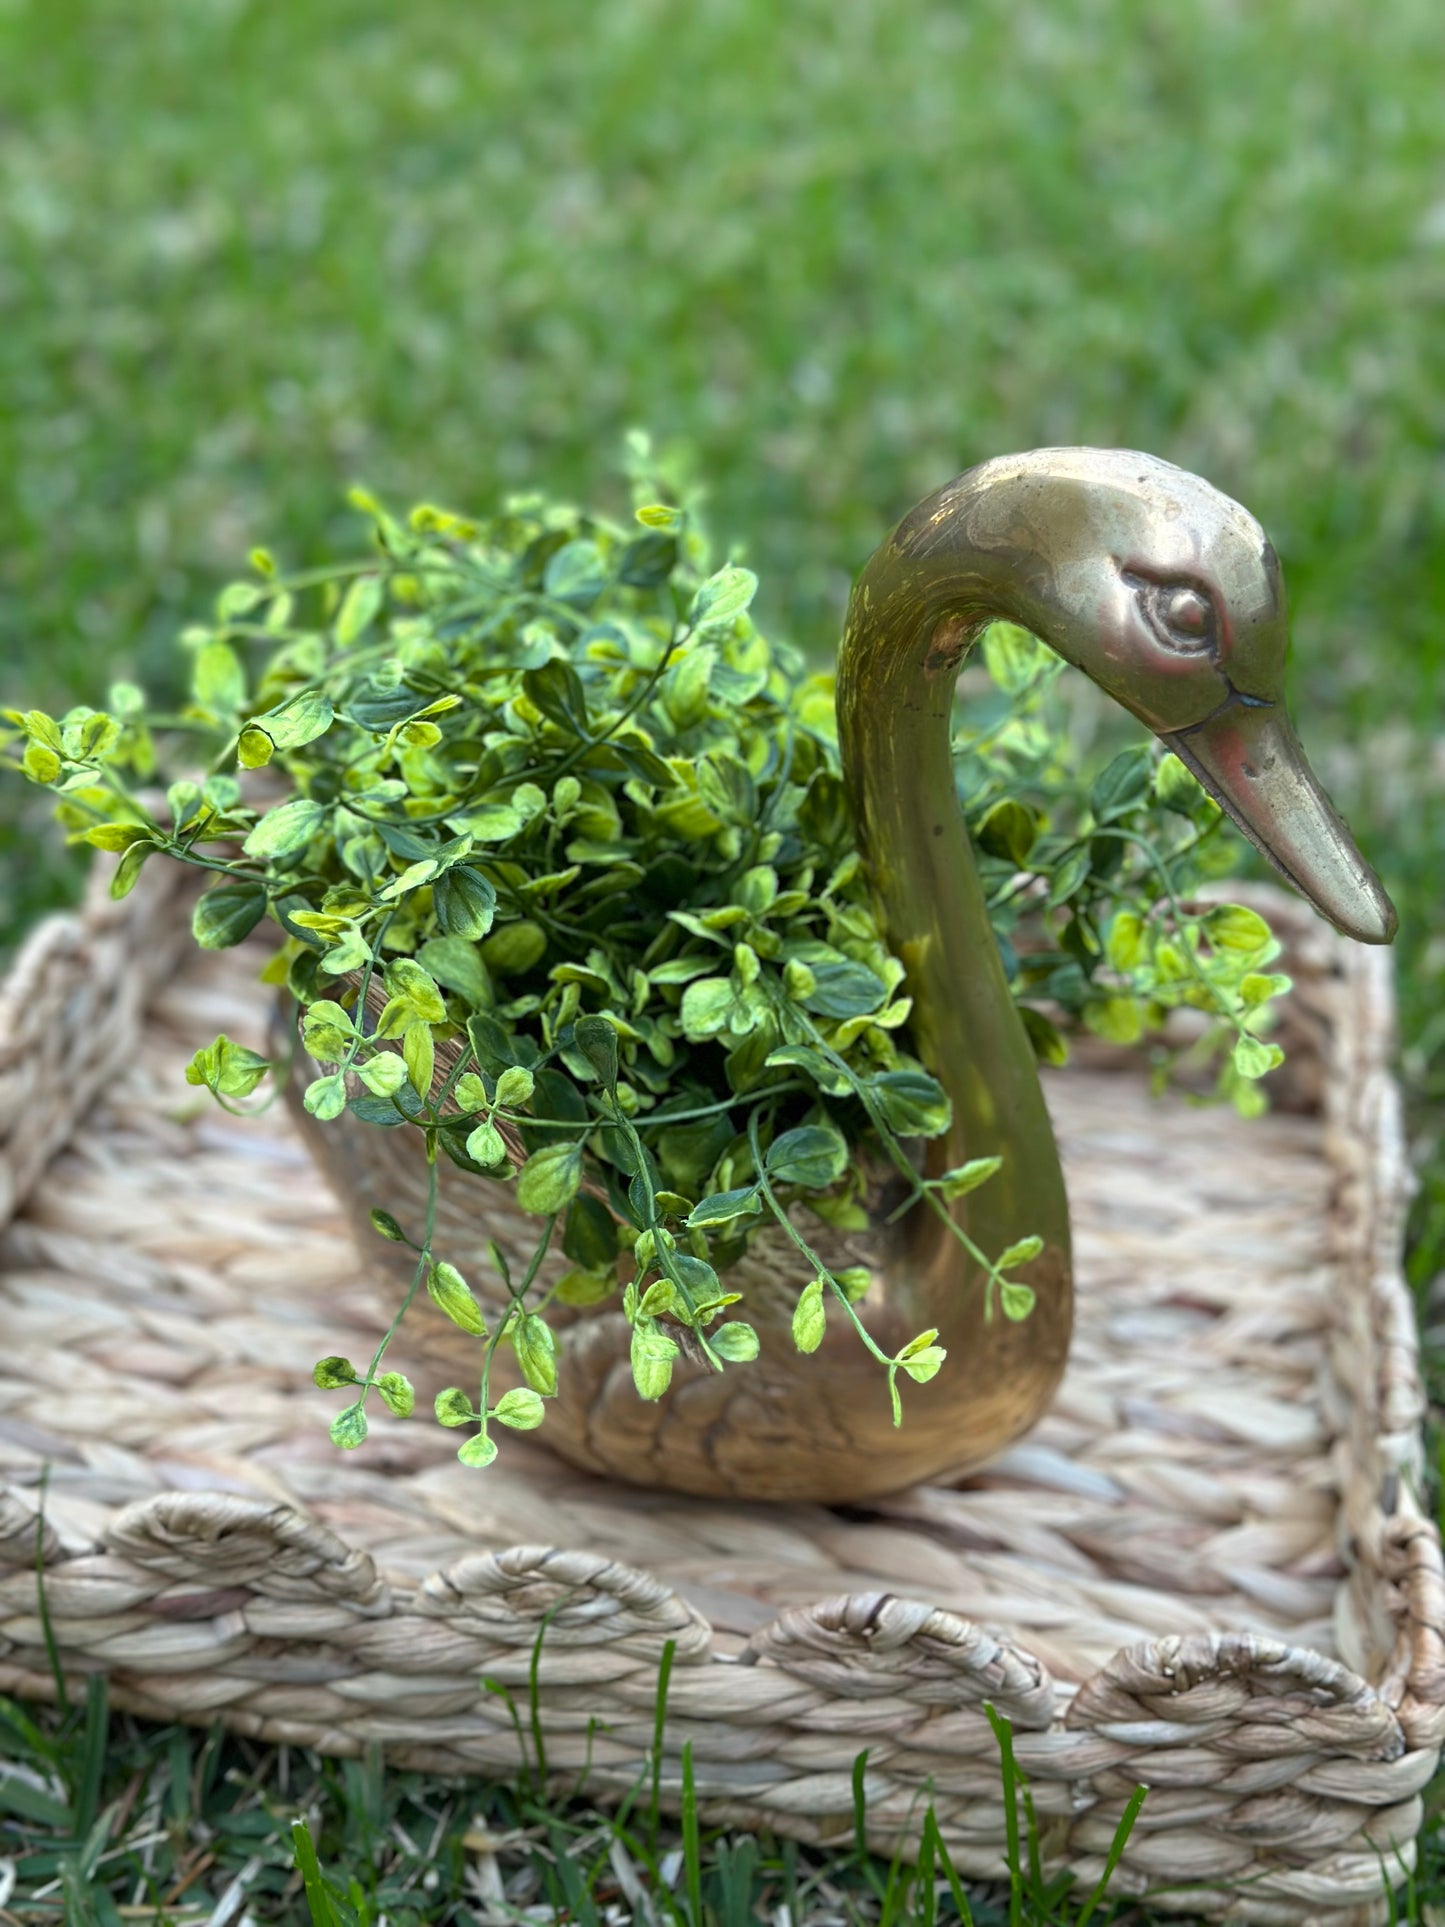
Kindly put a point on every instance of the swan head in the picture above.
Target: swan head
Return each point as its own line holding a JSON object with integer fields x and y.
{"x": 1169, "y": 596}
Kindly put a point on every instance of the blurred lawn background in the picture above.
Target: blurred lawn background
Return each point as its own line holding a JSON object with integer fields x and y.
{"x": 250, "y": 253}
{"x": 842, "y": 249}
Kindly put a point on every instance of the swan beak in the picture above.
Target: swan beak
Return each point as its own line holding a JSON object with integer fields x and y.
{"x": 1249, "y": 759}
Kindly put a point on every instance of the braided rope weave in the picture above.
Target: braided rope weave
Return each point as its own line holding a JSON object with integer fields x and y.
{"x": 1207, "y": 1569}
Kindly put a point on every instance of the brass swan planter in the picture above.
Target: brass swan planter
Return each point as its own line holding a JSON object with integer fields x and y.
{"x": 1169, "y": 596}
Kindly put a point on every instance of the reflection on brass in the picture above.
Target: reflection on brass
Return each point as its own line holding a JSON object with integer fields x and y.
{"x": 1168, "y": 595}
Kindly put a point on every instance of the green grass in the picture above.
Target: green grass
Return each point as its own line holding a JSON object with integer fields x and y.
{"x": 249, "y": 253}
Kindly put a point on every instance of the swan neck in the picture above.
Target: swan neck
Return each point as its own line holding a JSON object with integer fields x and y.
{"x": 912, "y": 619}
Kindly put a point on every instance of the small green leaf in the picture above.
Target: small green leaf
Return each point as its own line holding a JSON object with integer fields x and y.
{"x": 384, "y": 1074}
{"x": 549, "y": 1178}
{"x": 325, "y": 1097}
{"x": 418, "y": 1050}
{"x": 1021, "y": 1253}
{"x": 114, "y": 838}
{"x": 1125, "y": 944}
{"x": 576, "y": 573}
{"x": 1047, "y": 1040}
{"x": 964, "y": 1178}
{"x": 810, "y": 1317}
{"x": 597, "y": 1040}
{"x": 1232, "y": 927}
{"x": 237, "y": 599}
{"x": 387, "y": 1227}
{"x": 521, "y": 1408}
{"x": 1014, "y": 660}
{"x": 653, "y": 1353}
{"x": 333, "y": 1372}
{"x": 582, "y": 1287}
{"x": 812, "y": 1155}
{"x": 1017, "y": 1300}
{"x": 327, "y": 1032}
{"x": 227, "y": 1069}
{"x": 40, "y": 763}
{"x": 722, "y": 598}
{"x": 397, "y": 1393}
{"x": 352, "y": 953}
{"x": 127, "y": 871}
{"x": 723, "y": 1207}
{"x": 465, "y": 902}
{"x": 453, "y": 1407}
{"x": 661, "y": 1297}
{"x": 707, "y": 1005}
{"x": 515, "y": 1087}
{"x": 348, "y": 1428}
{"x": 254, "y": 748}
{"x": 358, "y": 609}
{"x": 513, "y": 948}
{"x": 1259, "y": 986}
{"x": 1008, "y": 831}
{"x": 841, "y": 988}
{"x": 478, "y": 1451}
{"x": 456, "y": 964}
{"x": 219, "y": 681}
{"x": 226, "y": 916}
{"x": 1119, "y": 1020}
{"x": 286, "y": 829}
{"x": 536, "y": 1351}
{"x": 922, "y": 1364}
{"x": 736, "y": 1342}
{"x": 815, "y": 1064}
{"x": 416, "y": 989}
{"x": 1122, "y": 785}
{"x": 486, "y": 1145}
{"x": 1176, "y": 786}
{"x": 298, "y": 722}
{"x": 451, "y": 1294}
{"x": 1255, "y": 1059}
{"x": 913, "y": 1103}
{"x": 488, "y": 823}
{"x": 1069, "y": 878}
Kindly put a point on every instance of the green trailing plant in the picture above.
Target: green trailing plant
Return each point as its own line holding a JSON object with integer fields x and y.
{"x": 558, "y": 857}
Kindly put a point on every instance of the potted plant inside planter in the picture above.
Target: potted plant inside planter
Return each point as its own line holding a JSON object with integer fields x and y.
{"x": 674, "y": 1026}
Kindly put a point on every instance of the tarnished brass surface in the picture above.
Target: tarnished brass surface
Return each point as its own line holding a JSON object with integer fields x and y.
{"x": 1169, "y": 596}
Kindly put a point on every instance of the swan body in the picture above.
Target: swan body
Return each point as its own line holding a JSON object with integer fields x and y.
{"x": 1169, "y": 596}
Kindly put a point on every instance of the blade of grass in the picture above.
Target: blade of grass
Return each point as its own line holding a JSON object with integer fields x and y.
{"x": 860, "y": 1807}
{"x": 1003, "y": 1733}
{"x": 319, "y": 1902}
{"x": 737, "y": 1864}
{"x": 659, "y": 1722}
{"x": 503, "y": 1693}
{"x": 31, "y": 1737}
{"x": 934, "y": 1836}
{"x": 1116, "y": 1852}
{"x": 691, "y": 1844}
{"x": 534, "y": 1702}
{"x": 926, "y": 1897}
{"x": 94, "y": 1735}
{"x": 29, "y": 1802}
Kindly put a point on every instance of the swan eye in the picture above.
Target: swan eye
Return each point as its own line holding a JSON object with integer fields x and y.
{"x": 1180, "y": 614}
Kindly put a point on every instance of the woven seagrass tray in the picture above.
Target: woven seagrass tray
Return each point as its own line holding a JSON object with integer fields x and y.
{"x": 1207, "y": 1570}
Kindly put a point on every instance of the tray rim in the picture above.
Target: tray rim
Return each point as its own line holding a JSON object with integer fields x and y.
{"x": 115, "y": 957}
